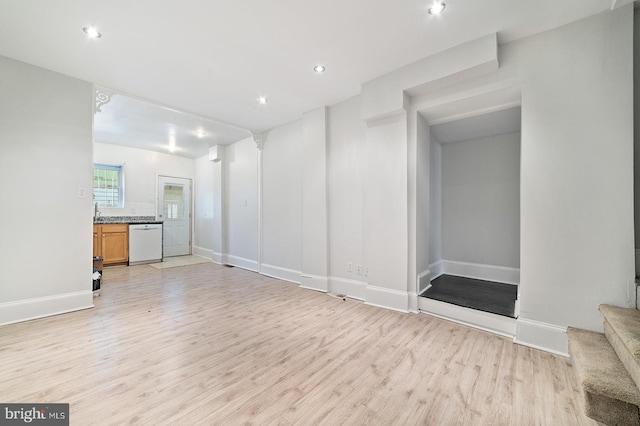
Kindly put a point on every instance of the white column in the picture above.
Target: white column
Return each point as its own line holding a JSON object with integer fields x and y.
{"x": 315, "y": 265}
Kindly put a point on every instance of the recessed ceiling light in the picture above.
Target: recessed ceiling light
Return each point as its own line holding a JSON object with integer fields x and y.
{"x": 319, "y": 68}
{"x": 262, "y": 100}
{"x": 436, "y": 8}
{"x": 200, "y": 133}
{"x": 91, "y": 32}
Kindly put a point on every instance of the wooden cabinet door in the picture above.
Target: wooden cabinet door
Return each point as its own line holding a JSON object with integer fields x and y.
{"x": 96, "y": 241}
{"x": 115, "y": 243}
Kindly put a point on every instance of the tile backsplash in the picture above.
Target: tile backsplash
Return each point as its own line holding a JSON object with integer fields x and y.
{"x": 130, "y": 209}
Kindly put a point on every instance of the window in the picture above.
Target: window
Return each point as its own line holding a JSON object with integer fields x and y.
{"x": 108, "y": 185}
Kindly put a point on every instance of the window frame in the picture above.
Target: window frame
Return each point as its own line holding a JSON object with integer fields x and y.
{"x": 110, "y": 167}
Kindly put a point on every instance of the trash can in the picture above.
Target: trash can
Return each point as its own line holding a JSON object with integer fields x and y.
{"x": 97, "y": 267}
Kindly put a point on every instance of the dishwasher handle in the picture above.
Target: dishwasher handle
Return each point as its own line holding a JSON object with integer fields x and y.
{"x": 144, "y": 227}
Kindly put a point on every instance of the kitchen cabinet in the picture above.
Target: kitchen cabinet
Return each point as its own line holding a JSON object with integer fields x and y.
{"x": 111, "y": 242}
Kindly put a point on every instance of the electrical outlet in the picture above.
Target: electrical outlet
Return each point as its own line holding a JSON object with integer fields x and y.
{"x": 349, "y": 267}
{"x": 359, "y": 269}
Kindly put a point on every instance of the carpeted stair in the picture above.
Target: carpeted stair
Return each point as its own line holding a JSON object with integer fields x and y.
{"x": 608, "y": 366}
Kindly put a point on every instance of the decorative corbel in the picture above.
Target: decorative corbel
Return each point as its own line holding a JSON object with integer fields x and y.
{"x": 259, "y": 138}
{"x": 102, "y": 98}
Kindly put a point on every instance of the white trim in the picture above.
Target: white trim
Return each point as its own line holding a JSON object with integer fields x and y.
{"x": 240, "y": 262}
{"x": 479, "y": 111}
{"x": 280, "y": 273}
{"x": 424, "y": 275}
{"x": 381, "y": 297}
{"x": 413, "y": 302}
{"x": 260, "y": 146}
{"x": 203, "y": 252}
{"x": 539, "y": 335}
{"x": 500, "y": 274}
{"x": 217, "y": 258}
{"x": 351, "y": 288}
{"x": 436, "y": 270}
{"x": 314, "y": 282}
{"x": 40, "y": 307}
{"x": 425, "y": 289}
{"x": 497, "y": 324}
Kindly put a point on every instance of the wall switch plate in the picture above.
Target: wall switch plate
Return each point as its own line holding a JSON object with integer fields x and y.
{"x": 349, "y": 267}
{"x": 81, "y": 192}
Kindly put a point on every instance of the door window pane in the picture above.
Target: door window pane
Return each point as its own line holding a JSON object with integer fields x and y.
{"x": 173, "y": 202}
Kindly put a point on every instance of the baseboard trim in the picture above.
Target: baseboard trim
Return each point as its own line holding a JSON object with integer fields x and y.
{"x": 413, "y": 302}
{"x": 41, "y": 307}
{"x": 500, "y": 274}
{"x": 314, "y": 282}
{"x": 435, "y": 270}
{"x": 543, "y": 336}
{"x": 423, "y": 281}
{"x": 485, "y": 321}
{"x": 387, "y": 298}
{"x": 240, "y": 262}
{"x": 425, "y": 289}
{"x": 352, "y": 288}
{"x": 280, "y": 273}
{"x": 217, "y": 258}
{"x": 203, "y": 252}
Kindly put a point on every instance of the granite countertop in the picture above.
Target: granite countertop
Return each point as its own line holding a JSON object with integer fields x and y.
{"x": 126, "y": 219}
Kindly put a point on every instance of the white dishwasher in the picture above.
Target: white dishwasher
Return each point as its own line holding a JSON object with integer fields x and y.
{"x": 145, "y": 243}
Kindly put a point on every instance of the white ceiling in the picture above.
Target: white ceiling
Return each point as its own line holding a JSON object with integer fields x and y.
{"x": 214, "y": 58}
{"x": 479, "y": 126}
{"x": 128, "y": 121}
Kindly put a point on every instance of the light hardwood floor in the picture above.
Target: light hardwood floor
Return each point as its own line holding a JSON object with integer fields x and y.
{"x": 207, "y": 344}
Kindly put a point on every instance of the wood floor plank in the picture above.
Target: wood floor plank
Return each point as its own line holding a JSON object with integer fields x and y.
{"x": 207, "y": 344}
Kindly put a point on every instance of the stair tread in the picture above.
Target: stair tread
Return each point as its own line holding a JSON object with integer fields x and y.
{"x": 599, "y": 368}
{"x": 626, "y": 323}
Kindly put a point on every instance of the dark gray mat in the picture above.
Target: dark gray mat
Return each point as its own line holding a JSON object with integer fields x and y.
{"x": 487, "y": 296}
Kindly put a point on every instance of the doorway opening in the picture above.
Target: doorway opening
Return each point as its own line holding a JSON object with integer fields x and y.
{"x": 474, "y": 215}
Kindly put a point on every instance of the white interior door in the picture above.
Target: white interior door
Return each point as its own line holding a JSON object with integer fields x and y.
{"x": 174, "y": 208}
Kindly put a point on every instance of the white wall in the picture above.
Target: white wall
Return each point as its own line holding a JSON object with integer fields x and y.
{"x": 240, "y": 204}
{"x": 204, "y": 207}
{"x": 45, "y": 214}
{"x": 481, "y": 201}
{"x": 435, "y": 202}
{"x": 346, "y": 166}
{"x": 576, "y": 173}
{"x": 315, "y": 211}
{"x": 141, "y": 168}
{"x": 577, "y": 169}
{"x": 386, "y": 218}
{"x": 282, "y": 201}
{"x": 424, "y": 209}
{"x": 636, "y": 131}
